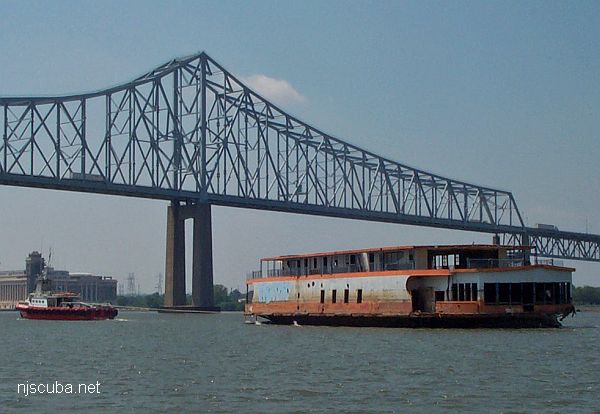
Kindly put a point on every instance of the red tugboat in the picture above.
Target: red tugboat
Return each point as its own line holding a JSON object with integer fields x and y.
{"x": 45, "y": 304}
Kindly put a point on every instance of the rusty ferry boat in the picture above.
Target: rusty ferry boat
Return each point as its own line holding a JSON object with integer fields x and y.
{"x": 45, "y": 304}
{"x": 412, "y": 286}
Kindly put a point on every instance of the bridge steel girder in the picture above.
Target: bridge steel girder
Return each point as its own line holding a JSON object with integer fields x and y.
{"x": 191, "y": 131}
{"x": 557, "y": 244}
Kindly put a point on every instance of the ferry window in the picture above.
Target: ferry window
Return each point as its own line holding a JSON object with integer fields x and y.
{"x": 439, "y": 295}
{"x": 359, "y": 296}
{"x": 527, "y": 293}
{"x": 461, "y": 291}
{"x": 391, "y": 258}
{"x": 563, "y": 293}
{"x": 305, "y": 263}
{"x": 504, "y": 292}
{"x": 560, "y": 293}
{"x": 539, "y": 293}
{"x": 489, "y": 292}
{"x": 333, "y": 296}
{"x": 516, "y": 295}
{"x": 322, "y": 296}
{"x": 352, "y": 259}
{"x": 467, "y": 292}
{"x": 346, "y": 295}
{"x": 549, "y": 292}
{"x": 454, "y": 291}
{"x": 473, "y": 291}
{"x": 325, "y": 261}
{"x": 315, "y": 263}
{"x": 371, "y": 258}
{"x": 568, "y": 292}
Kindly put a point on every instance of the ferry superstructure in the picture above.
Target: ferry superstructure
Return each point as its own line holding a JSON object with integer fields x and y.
{"x": 412, "y": 286}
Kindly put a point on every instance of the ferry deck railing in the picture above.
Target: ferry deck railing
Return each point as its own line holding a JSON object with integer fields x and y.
{"x": 510, "y": 262}
{"x": 352, "y": 268}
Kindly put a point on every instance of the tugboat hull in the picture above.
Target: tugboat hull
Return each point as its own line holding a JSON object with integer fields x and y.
{"x": 68, "y": 314}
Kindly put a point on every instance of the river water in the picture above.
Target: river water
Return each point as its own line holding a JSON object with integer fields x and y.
{"x": 154, "y": 362}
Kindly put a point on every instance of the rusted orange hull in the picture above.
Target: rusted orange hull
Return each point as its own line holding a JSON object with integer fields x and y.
{"x": 400, "y": 314}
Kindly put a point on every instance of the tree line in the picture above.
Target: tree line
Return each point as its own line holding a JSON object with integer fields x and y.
{"x": 226, "y": 299}
{"x": 586, "y": 295}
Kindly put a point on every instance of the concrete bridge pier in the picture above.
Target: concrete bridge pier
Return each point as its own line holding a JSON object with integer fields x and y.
{"x": 202, "y": 266}
{"x": 175, "y": 257}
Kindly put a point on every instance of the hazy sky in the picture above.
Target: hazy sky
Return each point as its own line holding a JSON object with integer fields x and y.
{"x": 505, "y": 94}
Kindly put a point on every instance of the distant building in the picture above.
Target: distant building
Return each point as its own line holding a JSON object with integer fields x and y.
{"x": 90, "y": 287}
{"x": 15, "y": 285}
{"x": 13, "y": 288}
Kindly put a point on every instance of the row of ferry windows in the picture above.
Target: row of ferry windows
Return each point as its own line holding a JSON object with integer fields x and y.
{"x": 463, "y": 292}
{"x": 393, "y": 257}
{"x": 527, "y": 293}
{"x": 346, "y": 296}
{"x": 512, "y": 293}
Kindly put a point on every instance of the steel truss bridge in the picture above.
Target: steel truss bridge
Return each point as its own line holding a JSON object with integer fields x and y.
{"x": 191, "y": 132}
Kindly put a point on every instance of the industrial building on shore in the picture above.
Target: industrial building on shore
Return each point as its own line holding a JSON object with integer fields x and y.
{"x": 15, "y": 285}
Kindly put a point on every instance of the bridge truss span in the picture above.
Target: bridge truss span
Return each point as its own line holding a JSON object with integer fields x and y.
{"x": 191, "y": 131}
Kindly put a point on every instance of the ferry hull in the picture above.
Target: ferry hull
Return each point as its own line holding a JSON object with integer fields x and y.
{"x": 68, "y": 314}
{"x": 423, "y": 321}
{"x": 455, "y": 286}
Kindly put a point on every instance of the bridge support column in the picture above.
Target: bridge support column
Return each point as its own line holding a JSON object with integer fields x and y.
{"x": 175, "y": 260}
{"x": 202, "y": 268}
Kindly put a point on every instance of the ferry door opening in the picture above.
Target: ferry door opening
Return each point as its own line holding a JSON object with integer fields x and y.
{"x": 423, "y": 300}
